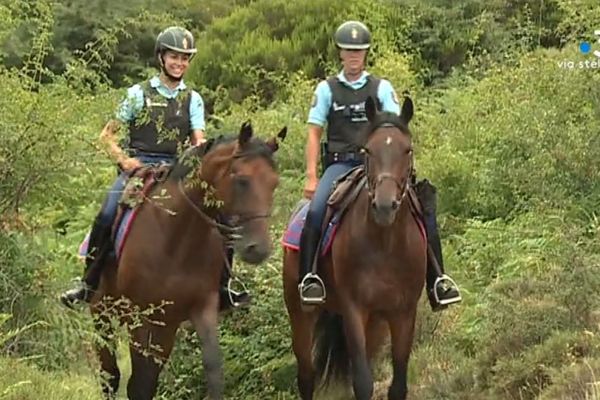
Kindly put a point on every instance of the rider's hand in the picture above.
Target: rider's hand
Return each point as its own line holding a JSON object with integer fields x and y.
{"x": 130, "y": 163}
{"x": 199, "y": 142}
{"x": 310, "y": 186}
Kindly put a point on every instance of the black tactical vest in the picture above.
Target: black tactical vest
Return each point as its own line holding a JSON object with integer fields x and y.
{"x": 161, "y": 123}
{"x": 347, "y": 116}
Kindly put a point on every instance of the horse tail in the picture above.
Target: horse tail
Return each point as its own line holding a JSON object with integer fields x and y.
{"x": 331, "y": 357}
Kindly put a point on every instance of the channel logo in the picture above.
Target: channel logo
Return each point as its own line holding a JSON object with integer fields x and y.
{"x": 585, "y": 48}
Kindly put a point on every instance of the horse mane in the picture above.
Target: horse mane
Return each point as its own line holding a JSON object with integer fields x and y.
{"x": 190, "y": 158}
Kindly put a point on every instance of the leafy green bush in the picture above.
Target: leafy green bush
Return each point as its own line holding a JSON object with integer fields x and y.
{"x": 242, "y": 51}
{"x": 520, "y": 138}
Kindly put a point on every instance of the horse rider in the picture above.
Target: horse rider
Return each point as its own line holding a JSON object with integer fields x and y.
{"x": 161, "y": 114}
{"x": 339, "y": 103}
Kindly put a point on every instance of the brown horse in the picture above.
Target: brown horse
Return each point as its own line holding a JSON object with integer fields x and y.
{"x": 373, "y": 274}
{"x": 174, "y": 256}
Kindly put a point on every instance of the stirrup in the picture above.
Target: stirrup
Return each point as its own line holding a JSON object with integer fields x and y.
{"x": 230, "y": 291}
{"x": 312, "y": 300}
{"x": 446, "y": 278}
{"x": 75, "y": 296}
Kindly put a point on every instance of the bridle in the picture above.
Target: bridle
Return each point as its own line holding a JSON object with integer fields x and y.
{"x": 230, "y": 231}
{"x": 372, "y": 182}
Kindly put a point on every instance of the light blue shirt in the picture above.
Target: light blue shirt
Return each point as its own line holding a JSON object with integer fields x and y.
{"x": 134, "y": 102}
{"x": 322, "y": 98}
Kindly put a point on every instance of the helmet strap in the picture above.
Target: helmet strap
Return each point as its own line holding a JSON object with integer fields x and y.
{"x": 163, "y": 70}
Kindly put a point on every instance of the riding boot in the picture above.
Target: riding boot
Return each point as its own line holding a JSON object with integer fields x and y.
{"x": 99, "y": 247}
{"x": 311, "y": 287}
{"x": 441, "y": 289}
{"x": 228, "y": 297}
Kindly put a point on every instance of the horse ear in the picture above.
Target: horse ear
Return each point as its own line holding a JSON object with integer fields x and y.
{"x": 273, "y": 143}
{"x": 245, "y": 133}
{"x": 370, "y": 108}
{"x": 407, "y": 110}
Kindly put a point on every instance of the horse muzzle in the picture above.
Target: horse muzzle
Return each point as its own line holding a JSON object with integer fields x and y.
{"x": 384, "y": 212}
{"x": 253, "y": 250}
{"x": 386, "y": 200}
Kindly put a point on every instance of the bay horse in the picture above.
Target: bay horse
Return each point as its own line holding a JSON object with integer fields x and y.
{"x": 374, "y": 272}
{"x": 173, "y": 258}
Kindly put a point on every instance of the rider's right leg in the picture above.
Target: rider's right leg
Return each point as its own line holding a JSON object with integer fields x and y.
{"x": 311, "y": 287}
{"x": 99, "y": 247}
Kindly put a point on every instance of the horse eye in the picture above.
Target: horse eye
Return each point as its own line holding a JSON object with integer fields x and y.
{"x": 241, "y": 182}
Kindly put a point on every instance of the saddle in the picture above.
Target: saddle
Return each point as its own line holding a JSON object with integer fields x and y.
{"x": 139, "y": 183}
{"x": 346, "y": 190}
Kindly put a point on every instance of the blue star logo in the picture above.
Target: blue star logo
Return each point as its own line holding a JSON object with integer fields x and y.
{"x": 585, "y": 47}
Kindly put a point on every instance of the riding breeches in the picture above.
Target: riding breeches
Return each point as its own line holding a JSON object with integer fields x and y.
{"x": 318, "y": 204}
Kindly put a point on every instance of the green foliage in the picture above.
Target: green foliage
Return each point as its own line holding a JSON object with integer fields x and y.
{"x": 577, "y": 381}
{"x": 18, "y": 381}
{"x": 491, "y": 148}
{"x": 243, "y": 50}
{"x": 132, "y": 27}
{"x": 506, "y": 134}
{"x": 579, "y": 20}
{"x": 512, "y": 156}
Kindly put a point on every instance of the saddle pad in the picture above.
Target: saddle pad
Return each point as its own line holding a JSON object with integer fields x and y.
{"x": 291, "y": 236}
{"x": 126, "y": 214}
{"x": 121, "y": 234}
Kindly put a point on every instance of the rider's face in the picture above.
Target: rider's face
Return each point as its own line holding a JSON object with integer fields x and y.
{"x": 176, "y": 63}
{"x": 353, "y": 60}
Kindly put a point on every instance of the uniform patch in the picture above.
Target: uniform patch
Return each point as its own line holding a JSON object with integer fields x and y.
{"x": 314, "y": 100}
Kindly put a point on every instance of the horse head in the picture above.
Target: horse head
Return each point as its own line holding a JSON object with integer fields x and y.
{"x": 388, "y": 160}
{"x": 241, "y": 175}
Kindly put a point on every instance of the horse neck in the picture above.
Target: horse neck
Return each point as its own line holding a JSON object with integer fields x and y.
{"x": 187, "y": 217}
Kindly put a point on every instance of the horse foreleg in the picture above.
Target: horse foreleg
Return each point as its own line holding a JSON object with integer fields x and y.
{"x": 354, "y": 327}
{"x": 402, "y": 327}
{"x": 109, "y": 370}
{"x": 150, "y": 348}
{"x": 303, "y": 327}
{"x": 205, "y": 322}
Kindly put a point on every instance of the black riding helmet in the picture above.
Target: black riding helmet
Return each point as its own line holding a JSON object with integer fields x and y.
{"x": 176, "y": 39}
{"x": 353, "y": 35}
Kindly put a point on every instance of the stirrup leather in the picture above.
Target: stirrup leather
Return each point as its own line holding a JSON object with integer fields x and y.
{"x": 445, "y": 278}
{"x": 312, "y": 300}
